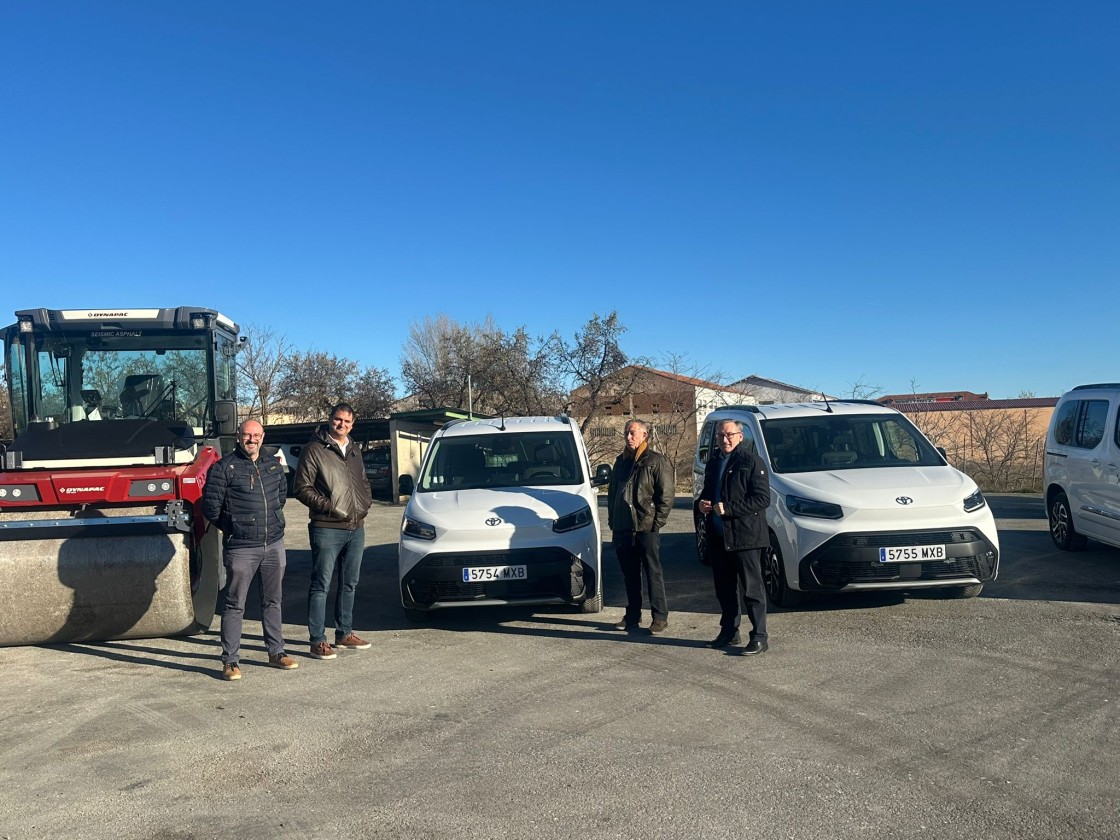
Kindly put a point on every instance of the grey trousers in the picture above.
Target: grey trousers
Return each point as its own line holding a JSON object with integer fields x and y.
{"x": 242, "y": 565}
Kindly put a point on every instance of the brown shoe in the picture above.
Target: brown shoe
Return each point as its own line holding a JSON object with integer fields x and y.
{"x": 322, "y": 650}
{"x": 282, "y": 660}
{"x": 353, "y": 642}
{"x": 231, "y": 672}
{"x": 658, "y": 625}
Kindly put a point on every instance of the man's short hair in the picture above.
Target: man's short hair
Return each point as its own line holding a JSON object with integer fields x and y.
{"x": 635, "y": 422}
{"x": 737, "y": 424}
{"x": 342, "y": 406}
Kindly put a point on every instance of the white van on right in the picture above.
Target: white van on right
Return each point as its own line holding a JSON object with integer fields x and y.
{"x": 1081, "y": 470}
{"x": 860, "y": 501}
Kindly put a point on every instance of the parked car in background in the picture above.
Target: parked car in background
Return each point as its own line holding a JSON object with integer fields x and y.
{"x": 288, "y": 453}
{"x": 860, "y": 501}
{"x": 378, "y": 463}
{"x": 1081, "y": 468}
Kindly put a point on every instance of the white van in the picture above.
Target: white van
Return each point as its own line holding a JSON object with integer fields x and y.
{"x": 505, "y": 511}
{"x": 1081, "y": 470}
{"x": 860, "y": 500}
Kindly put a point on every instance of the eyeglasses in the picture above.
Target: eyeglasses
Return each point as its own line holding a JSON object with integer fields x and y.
{"x": 727, "y": 435}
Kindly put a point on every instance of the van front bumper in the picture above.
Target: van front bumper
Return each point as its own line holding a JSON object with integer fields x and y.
{"x": 554, "y": 576}
{"x": 850, "y": 561}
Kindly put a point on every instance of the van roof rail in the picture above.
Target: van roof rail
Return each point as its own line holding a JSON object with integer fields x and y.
{"x": 745, "y": 407}
{"x": 1097, "y": 385}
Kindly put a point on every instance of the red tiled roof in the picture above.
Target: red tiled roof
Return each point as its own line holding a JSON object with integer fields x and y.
{"x": 975, "y": 405}
{"x": 932, "y": 396}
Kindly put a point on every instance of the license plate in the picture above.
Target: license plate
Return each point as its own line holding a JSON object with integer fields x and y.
{"x": 912, "y": 554}
{"x": 479, "y": 574}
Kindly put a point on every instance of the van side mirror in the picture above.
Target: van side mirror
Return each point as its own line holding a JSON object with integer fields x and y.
{"x": 405, "y": 485}
{"x": 602, "y": 475}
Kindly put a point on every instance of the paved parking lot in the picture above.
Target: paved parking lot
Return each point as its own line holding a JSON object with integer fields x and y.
{"x": 869, "y": 717}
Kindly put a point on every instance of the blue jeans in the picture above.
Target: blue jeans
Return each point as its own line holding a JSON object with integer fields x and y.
{"x": 331, "y": 548}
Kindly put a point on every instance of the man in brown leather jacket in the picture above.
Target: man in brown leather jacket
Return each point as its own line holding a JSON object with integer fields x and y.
{"x": 331, "y": 481}
{"x": 639, "y": 500}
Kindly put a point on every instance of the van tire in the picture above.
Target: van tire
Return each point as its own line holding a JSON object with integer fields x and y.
{"x": 700, "y": 524}
{"x": 593, "y": 604}
{"x": 970, "y": 591}
{"x": 774, "y": 577}
{"x": 1060, "y": 519}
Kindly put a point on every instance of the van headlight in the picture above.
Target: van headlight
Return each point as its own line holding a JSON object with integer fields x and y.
{"x": 580, "y": 519}
{"x": 799, "y": 506}
{"x": 418, "y": 529}
{"x": 974, "y": 502}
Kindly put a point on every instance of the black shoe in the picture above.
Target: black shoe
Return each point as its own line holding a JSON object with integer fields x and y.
{"x": 625, "y": 624}
{"x": 725, "y": 638}
{"x": 756, "y": 646}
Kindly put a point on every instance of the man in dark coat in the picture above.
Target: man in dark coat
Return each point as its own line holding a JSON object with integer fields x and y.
{"x": 735, "y": 498}
{"x": 639, "y": 499}
{"x": 331, "y": 481}
{"x": 244, "y": 496}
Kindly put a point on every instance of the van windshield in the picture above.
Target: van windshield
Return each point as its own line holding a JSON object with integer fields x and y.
{"x": 846, "y": 442}
{"x": 504, "y": 459}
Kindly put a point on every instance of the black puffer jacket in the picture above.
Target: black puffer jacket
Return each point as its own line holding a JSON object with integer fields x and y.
{"x": 641, "y": 497}
{"x": 745, "y": 494}
{"x": 245, "y": 498}
{"x": 332, "y": 485}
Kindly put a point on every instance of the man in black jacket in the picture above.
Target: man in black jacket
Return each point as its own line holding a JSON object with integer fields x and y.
{"x": 244, "y": 496}
{"x": 331, "y": 481}
{"x": 735, "y": 498}
{"x": 639, "y": 499}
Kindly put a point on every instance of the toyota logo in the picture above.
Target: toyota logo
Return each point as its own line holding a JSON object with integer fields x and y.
{"x": 904, "y": 500}
{"x": 493, "y": 520}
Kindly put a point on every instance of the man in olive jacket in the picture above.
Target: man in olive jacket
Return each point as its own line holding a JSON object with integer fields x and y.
{"x": 735, "y": 498}
{"x": 639, "y": 499}
{"x": 331, "y": 481}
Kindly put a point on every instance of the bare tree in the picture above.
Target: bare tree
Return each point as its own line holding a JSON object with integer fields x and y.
{"x": 314, "y": 382}
{"x": 863, "y": 390}
{"x": 372, "y": 393}
{"x": 598, "y": 373}
{"x": 478, "y": 366}
{"x": 260, "y": 365}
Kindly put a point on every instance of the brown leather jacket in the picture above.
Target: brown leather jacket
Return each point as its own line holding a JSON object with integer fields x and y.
{"x": 642, "y": 499}
{"x": 332, "y": 485}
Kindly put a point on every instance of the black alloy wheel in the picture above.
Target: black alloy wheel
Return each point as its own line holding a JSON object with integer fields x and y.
{"x": 1062, "y": 532}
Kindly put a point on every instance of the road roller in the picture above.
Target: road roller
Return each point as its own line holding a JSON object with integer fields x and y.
{"x": 118, "y": 414}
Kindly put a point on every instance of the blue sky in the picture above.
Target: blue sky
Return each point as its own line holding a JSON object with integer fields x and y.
{"x": 900, "y": 194}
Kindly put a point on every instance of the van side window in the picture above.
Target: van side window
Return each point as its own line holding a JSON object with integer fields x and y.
{"x": 1091, "y": 428}
{"x": 1067, "y": 417}
{"x": 1116, "y": 432}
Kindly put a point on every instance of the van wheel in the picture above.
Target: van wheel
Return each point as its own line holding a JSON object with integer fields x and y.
{"x": 1062, "y": 532}
{"x": 963, "y": 591}
{"x": 592, "y": 605}
{"x": 418, "y": 616}
{"x": 700, "y": 522}
{"x": 774, "y": 576}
